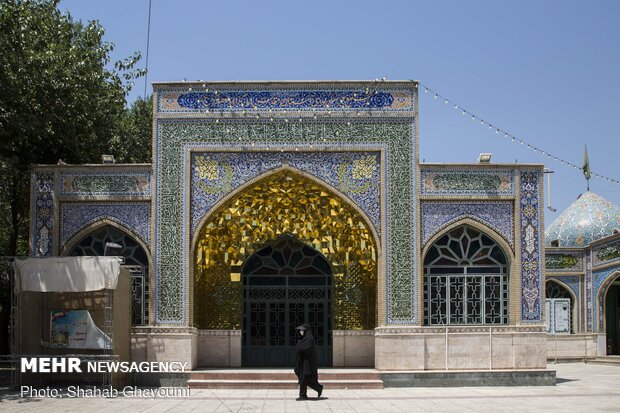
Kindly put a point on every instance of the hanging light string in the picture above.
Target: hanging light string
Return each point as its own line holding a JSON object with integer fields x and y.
{"x": 507, "y": 135}
{"x": 372, "y": 87}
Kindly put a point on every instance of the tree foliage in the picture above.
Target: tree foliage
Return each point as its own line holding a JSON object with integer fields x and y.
{"x": 60, "y": 98}
{"x": 132, "y": 144}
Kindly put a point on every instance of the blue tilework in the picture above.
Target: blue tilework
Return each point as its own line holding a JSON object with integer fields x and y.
{"x": 458, "y": 182}
{"x": 571, "y": 281}
{"x": 229, "y": 170}
{"x": 531, "y": 248}
{"x": 185, "y": 100}
{"x": 437, "y": 215}
{"x": 577, "y": 267}
{"x": 589, "y": 218}
{"x": 76, "y": 216}
{"x": 42, "y": 223}
{"x": 105, "y": 184}
{"x": 608, "y": 253}
{"x": 599, "y": 278}
{"x": 589, "y": 292}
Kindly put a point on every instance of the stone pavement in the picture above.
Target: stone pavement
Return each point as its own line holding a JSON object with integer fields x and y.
{"x": 580, "y": 388}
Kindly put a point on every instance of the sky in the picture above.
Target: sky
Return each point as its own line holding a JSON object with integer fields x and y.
{"x": 543, "y": 71}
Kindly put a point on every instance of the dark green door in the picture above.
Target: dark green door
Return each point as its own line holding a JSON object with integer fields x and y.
{"x": 285, "y": 284}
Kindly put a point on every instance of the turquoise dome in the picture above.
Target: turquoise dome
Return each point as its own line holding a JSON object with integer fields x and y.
{"x": 590, "y": 218}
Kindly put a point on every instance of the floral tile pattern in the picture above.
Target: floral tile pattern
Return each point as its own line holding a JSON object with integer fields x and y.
{"x": 176, "y": 138}
{"x": 355, "y": 174}
{"x": 437, "y": 215}
{"x": 76, "y": 215}
{"x": 42, "y": 222}
{"x": 599, "y": 278}
{"x": 590, "y": 218}
{"x": 531, "y": 249}
{"x": 105, "y": 184}
{"x": 224, "y": 99}
{"x": 446, "y": 182}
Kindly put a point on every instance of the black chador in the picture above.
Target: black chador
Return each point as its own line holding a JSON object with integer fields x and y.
{"x": 306, "y": 363}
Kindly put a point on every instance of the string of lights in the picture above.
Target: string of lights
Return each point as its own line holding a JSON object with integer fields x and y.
{"x": 372, "y": 87}
{"x": 506, "y": 134}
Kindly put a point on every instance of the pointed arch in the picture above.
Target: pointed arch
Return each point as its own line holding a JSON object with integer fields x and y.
{"x": 573, "y": 304}
{"x": 466, "y": 277}
{"x": 480, "y": 226}
{"x": 108, "y": 222}
{"x": 322, "y": 217}
{"x": 285, "y": 167}
{"x": 601, "y": 298}
{"x": 100, "y": 223}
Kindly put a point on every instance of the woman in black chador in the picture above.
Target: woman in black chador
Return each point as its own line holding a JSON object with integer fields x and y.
{"x": 306, "y": 363}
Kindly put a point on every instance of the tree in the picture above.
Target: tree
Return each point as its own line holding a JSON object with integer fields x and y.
{"x": 133, "y": 143}
{"x": 59, "y": 98}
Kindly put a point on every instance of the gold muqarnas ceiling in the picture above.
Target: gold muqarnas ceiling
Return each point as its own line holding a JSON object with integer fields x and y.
{"x": 285, "y": 202}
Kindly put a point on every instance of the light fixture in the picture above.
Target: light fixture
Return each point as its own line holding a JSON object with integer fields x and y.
{"x": 107, "y": 159}
{"x": 111, "y": 245}
{"x": 484, "y": 158}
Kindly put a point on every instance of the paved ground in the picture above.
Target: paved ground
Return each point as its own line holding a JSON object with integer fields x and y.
{"x": 580, "y": 388}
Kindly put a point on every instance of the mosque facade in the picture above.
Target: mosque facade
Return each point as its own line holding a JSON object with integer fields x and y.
{"x": 269, "y": 204}
{"x": 583, "y": 269}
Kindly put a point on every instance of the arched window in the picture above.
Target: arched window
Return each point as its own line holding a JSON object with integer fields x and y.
{"x": 136, "y": 262}
{"x": 465, "y": 280}
{"x": 556, "y": 290}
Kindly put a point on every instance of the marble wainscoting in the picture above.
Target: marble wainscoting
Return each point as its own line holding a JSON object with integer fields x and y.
{"x": 167, "y": 344}
{"x": 219, "y": 348}
{"x": 163, "y": 344}
{"x": 573, "y": 346}
{"x": 460, "y": 348}
{"x": 353, "y": 348}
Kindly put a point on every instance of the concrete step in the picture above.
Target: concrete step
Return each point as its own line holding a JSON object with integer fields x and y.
{"x": 613, "y": 360}
{"x": 281, "y": 384}
{"x": 282, "y": 379}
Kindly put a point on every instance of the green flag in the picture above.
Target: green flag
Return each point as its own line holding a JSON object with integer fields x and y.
{"x": 586, "y": 166}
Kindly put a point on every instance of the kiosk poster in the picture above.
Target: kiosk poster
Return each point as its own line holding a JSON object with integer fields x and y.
{"x": 76, "y": 329}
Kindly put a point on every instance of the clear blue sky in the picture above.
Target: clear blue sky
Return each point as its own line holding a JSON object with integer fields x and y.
{"x": 545, "y": 71}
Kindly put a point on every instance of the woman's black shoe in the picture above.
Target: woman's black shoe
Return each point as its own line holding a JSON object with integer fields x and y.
{"x": 300, "y": 398}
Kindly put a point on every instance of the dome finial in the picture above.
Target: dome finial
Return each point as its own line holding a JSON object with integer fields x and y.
{"x": 586, "y": 167}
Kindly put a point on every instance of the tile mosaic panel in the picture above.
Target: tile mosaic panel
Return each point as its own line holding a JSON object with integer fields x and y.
{"x": 42, "y": 224}
{"x": 105, "y": 184}
{"x": 531, "y": 248}
{"x": 563, "y": 261}
{"x": 571, "y": 281}
{"x": 280, "y": 100}
{"x": 446, "y": 182}
{"x": 589, "y": 293}
{"x": 355, "y": 174}
{"x": 75, "y": 216}
{"x": 599, "y": 278}
{"x": 589, "y": 218}
{"x": 437, "y": 215}
{"x": 607, "y": 253}
{"x": 400, "y": 150}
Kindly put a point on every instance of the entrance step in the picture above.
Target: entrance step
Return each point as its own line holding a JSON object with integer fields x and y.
{"x": 282, "y": 379}
{"x": 613, "y": 360}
